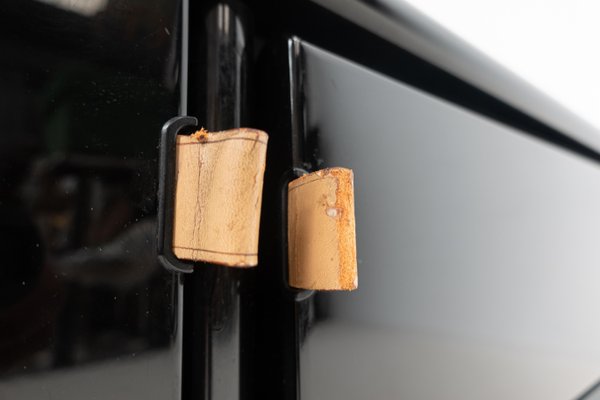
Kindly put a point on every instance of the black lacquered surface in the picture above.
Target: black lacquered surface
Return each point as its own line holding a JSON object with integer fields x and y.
{"x": 467, "y": 229}
{"x": 218, "y": 309}
{"x": 477, "y": 257}
{"x": 85, "y": 309}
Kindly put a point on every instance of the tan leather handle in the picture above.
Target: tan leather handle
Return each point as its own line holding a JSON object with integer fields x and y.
{"x": 321, "y": 231}
{"x": 218, "y": 196}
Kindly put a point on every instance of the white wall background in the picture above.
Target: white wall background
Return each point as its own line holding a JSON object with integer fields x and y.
{"x": 553, "y": 44}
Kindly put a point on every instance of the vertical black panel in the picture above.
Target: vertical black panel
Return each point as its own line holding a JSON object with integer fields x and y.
{"x": 279, "y": 309}
{"x": 217, "y": 298}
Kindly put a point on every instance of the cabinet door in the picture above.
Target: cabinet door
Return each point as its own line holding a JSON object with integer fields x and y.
{"x": 477, "y": 249}
{"x": 85, "y": 309}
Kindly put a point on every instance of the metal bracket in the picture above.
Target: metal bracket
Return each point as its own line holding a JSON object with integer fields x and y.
{"x": 166, "y": 193}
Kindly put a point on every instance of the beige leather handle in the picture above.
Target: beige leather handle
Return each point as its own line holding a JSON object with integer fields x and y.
{"x": 218, "y": 196}
{"x": 321, "y": 231}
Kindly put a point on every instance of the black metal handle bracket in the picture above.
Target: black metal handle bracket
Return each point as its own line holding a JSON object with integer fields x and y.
{"x": 166, "y": 193}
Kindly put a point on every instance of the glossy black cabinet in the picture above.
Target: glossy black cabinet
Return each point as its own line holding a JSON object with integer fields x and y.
{"x": 476, "y": 208}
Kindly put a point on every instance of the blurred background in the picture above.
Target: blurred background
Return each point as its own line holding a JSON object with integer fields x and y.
{"x": 547, "y": 43}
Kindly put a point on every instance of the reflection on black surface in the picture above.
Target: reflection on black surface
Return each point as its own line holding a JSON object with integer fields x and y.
{"x": 82, "y": 98}
{"x": 477, "y": 250}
